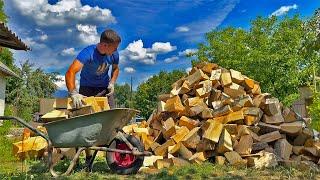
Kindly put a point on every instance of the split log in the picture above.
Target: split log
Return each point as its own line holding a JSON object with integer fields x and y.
{"x": 196, "y": 77}
{"x": 270, "y": 137}
{"x": 245, "y": 145}
{"x": 174, "y": 105}
{"x": 188, "y": 122}
{"x": 225, "y": 142}
{"x": 236, "y": 76}
{"x": 163, "y": 149}
{"x": 180, "y": 134}
{"x": 283, "y": 149}
{"x": 234, "y": 90}
{"x": 191, "y": 139}
{"x": 291, "y": 128}
{"x": 234, "y": 158}
{"x": 226, "y": 79}
{"x": 213, "y": 131}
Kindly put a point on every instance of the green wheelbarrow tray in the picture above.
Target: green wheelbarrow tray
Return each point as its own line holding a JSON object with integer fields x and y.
{"x": 96, "y": 129}
{"x": 100, "y": 131}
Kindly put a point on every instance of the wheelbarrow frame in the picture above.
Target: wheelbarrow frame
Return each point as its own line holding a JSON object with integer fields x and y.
{"x": 98, "y": 145}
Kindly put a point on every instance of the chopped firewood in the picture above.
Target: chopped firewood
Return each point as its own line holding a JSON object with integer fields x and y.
{"x": 297, "y": 150}
{"x": 259, "y": 146}
{"x": 226, "y": 78}
{"x": 163, "y": 149}
{"x": 236, "y": 76}
{"x": 163, "y": 97}
{"x": 291, "y": 128}
{"x": 225, "y": 142}
{"x": 248, "y": 83}
{"x": 154, "y": 146}
{"x": 245, "y": 145}
{"x": 231, "y": 128}
{"x": 175, "y": 148}
{"x": 222, "y": 111}
{"x": 161, "y": 106}
{"x": 310, "y": 151}
{"x": 250, "y": 120}
{"x": 260, "y": 100}
{"x": 207, "y": 113}
{"x": 289, "y": 115}
{"x": 283, "y": 149}
{"x": 256, "y": 89}
{"x": 215, "y": 75}
{"x": 235, "y": 116}
{"x": 198, "y": 157}
{"x": 163, "y": 163}
{"x": 180, "y": 134}
{"x": 191, "y": 139}
{"x": 209, "y": 67}
{"x": 267, "y": 160}
{"x": 216, "y": 105}
{"x": 174, "y": 105}
{"x": 205, "y": 145}
{"x": 272, "y": 107}
{"x": 196, "y": 77}
{"x": 32, "y": 147}
{"x": 215, "y": 95}
{"x": 266, "y": 128}
{"x": 234, "y": 158}
{"x": 178, "y": 162}
{"x": 184, "y": 152}
{"x": 220, "y": 160}
{"x": 150, "y": 160}
{"x": 55, "y": 115}
{"x": 234, "y": 90}
{"x": 270, "y": 137}
{"x": 213, "y": 131}
{"x": 275, "y": 119}
{"x": 188, "y": 122}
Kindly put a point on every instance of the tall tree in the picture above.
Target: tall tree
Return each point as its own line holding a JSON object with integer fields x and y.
{"x": 123, "y": 95}
{"x": 271, "y": 52}
{"x": 146, "y": 99}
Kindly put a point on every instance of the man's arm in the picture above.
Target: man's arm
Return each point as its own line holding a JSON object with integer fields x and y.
{"x": 70, "y": 76}
{"x": 114, "y": 73}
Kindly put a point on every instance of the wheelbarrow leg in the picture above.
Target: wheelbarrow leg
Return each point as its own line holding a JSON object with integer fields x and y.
{"x": 71, "y": 166}
{"x": 90, "y": 163}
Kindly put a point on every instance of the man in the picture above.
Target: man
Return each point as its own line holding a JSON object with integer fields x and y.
{"x": 94, "y": 62}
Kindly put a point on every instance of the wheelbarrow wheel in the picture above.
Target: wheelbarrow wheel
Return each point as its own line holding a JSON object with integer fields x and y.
{"x": 125, "y": 163}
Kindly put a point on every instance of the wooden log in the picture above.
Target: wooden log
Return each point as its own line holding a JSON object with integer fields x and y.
{"x": 275, "y": 119}
{"x": 164, "y": 97}
{"x": 235, "y": 159}
{"x": 215, "y": 95}
{"x": 289, "y": 115}
{"x": 46, "y": 105}
{"x": 283, "y": 149}
{"x": 245, "y": 130}
{"x": 249, "y": 83}
{"x": 205, "y": 145}
{"x": 259, "y": 146}
{"x": 250, "y": 120}
{"x": 213, "y": 131}
{"x": 207, "y": 113}
{"x": 205, "y": 88}
{"x": 174, "y": 105}
{"x": 236, "y": 76}
{"x": 291, "y": 128}
{"x": 225, "y": 142}
{"x": 220, "y": 160}
{"x": 215, "y": 75}
{"x": 196, "y": 77}
{"x": 222, "y": 111}
{"x": 178, "y": 162}
{"x": 175, "y": 148}
{"x": 260, "y": 100}
{"x": 184, "y": 152}
{"x": 270, "y": 137}
{"x": 209, "y": 67}
{"x": 272, "y": 107}
{"x": 226, "y": 79}
{"x": 163, "y": 149}
{"x": 266, "y": 128}
{"x": 55, "y": 115}
{"x": 192, "y": 139}
{"x": 161, "y": 106}
{"x": 198, "y": 157}
{"x": 256, "y": 89}
{"x": 216, "y": 105}
{"x": 235, "y": 116}
{"x": 234, "y": 90}
{"x": 196, "y": 110}
{"x": 32, "y": 147}
{"x": 169, "y": 123}
{"x": 188, "y": 122}
{"x": 150, "y": 160}
{"x": 191, "y": 102}
{"x": 245, "y": 145}
{"x": 231, "y": 128}
{"x": 180, "y": 134}
{"x": 297, "y": 150}
{"x": 163, "y": 163}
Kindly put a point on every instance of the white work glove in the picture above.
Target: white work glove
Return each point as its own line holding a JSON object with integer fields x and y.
{"x": 76, "y": 98}
{"x": 110, "y": 88}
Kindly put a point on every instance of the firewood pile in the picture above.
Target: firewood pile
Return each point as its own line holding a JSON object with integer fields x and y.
{"x": 222, "y": 116}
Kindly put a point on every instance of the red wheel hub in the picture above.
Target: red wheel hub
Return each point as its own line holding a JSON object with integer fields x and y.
{"x": 123, "y": 160}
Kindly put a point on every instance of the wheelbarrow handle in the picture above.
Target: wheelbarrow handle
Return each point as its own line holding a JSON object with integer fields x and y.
{"x": 35, "y": 130}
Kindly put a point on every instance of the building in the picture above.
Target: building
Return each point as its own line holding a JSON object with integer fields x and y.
{"x": 10, "y": 40}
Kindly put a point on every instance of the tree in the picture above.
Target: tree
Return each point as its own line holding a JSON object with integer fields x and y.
{"x": 271, "y": 52}
{"x": 122, "y": 95}
{"x": 146, "y": 99}
{"x": 24, "y": 92}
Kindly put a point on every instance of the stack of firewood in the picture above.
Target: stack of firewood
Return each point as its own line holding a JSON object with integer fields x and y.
{"x": 221, "y": 115}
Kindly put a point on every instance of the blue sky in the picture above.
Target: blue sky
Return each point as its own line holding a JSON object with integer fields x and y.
{"x": 156, "y": 35}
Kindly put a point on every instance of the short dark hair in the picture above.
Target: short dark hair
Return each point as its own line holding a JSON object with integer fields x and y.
{"x": 110, "y": 36}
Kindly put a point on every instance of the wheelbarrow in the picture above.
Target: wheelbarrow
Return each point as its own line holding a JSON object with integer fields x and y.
{"x": 100, "y": 131}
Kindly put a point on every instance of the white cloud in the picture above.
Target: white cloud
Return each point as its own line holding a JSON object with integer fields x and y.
{"x": 161, "y": 47}
{"x": 283, "y": 10}
{"x": 63, "y": 12}
{"x": 69, "y": 30}
{"x": 129, "y": 70}
{"x": 188, "y": 69}
{"x": 187, "y": 52}
{"x": 88, "y": 34}
{"x": 171, "y": 59}
{"x": 68, "y": 52}
{"x": 62, "y": 83}
{"x": 136, "y": 52}
{"x": 43, "y": 37}
{"x": 182, "y": 29}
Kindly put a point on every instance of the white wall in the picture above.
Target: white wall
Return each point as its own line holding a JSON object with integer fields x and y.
{"x": 2, "y": 93}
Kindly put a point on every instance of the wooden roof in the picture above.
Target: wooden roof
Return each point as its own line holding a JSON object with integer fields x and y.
{"x": 6, "y": 71}
{"x": 10, "y": 40}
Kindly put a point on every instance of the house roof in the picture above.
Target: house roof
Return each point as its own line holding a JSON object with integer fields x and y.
{"x": 6, "y": 71}
{"x": 10, "y": 40}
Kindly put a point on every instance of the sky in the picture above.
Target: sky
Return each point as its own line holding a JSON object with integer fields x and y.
{"x": 156, "y": 35}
